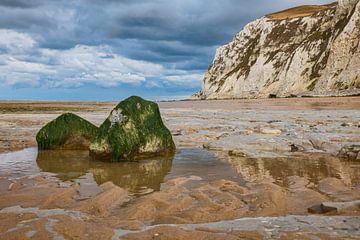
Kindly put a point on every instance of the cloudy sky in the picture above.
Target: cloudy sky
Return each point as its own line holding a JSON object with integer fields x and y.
{"x": 109, "y": 49}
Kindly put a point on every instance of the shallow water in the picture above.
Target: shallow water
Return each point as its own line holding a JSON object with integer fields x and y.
{"x": 312, "y": 168}
{"x": 147, "y": 175}
{"x": 139, "y": 177}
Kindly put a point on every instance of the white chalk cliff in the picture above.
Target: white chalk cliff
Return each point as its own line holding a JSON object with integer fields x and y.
{"x": 308, "y": 50}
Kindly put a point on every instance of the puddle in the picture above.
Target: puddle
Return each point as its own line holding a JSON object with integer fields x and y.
{"x": 146, "y": 176}
{"x": 313, "y": 168}
{"x": 139, "y": 177}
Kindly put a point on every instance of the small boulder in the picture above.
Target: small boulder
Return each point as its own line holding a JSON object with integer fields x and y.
{"x": 68, "y": 131}
{"x": 133, "y": 130}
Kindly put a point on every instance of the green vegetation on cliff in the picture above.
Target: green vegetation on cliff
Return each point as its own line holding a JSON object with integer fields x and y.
{"x": 134, "y": 129}
{"x": 68, "y": 131}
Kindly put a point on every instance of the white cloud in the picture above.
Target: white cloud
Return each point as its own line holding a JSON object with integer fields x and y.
{"x": 14, "y": 41}
{"x": 23, "y": 62}
{"x": 183, "y": 78}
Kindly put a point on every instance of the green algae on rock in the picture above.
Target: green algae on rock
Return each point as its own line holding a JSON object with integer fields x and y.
{"x": 68, "y": 131}
{"x": 133, "y": 130}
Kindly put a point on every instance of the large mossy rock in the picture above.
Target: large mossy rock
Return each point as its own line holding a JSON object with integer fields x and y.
{"x": 68, "y": 131}
{"x": 133, "y": 130}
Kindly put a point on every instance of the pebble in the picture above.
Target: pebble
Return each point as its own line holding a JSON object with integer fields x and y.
{"x": 270, "y": 131}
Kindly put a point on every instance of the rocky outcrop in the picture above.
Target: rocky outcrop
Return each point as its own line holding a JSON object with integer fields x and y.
{"x": 308, "y": 50}
{"x": 68, "y": 131}
{"x": 134, "y": 129}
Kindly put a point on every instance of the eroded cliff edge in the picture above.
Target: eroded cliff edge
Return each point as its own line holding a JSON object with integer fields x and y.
{"x": 307, "y": 50}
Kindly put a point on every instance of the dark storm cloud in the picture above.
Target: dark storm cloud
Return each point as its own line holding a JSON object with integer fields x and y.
{"x": 196, "y": 24}
{"x": 20, "y": 18}
{"x": 19, "y": 3}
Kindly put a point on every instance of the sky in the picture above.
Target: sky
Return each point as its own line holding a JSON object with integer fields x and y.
{"x": 111, "y": 49}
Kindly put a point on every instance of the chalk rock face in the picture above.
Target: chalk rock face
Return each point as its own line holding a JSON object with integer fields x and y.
{"x": 68, "y": 131}
{"x": 307, "y": 50}
{"x": 134, "y": 129}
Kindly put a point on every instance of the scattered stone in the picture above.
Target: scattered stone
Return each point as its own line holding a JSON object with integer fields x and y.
{"x": 133, "y": 130}
{"x": 345, "y": 125}
{"x": 337, "y": 207}
{"x": 68, "y": 131}
{"x": 350, "y": 152}
{"x": 270, "y": 131}
{"x": 296, "y": 148}
{"x": 64, "y": 185}
{"x": 14, "y": 186}
{"x": 236, "y": 153}
{"x": 178, "y": 132}
{"x": 274, "y": 121}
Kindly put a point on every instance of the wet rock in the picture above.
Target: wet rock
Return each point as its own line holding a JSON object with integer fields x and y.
{"x": 210, "y": 146}
{"x": 350, "y": 152}
{"x": 336, "y": 207}
{"x": 236, "y": 153}
{"x": 68, "y": 131}
{"x": 337, "y": 190}
{"x": 274, "y": 121}
{"x": 134, "y": 129}
{"x": 296, "y": 148}
{"x": 178, "y": 132}
{"x": 110, "y": 197}
{"x": 14, "y": 186}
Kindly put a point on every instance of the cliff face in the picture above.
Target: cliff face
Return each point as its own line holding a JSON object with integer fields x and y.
{"x": 308, "y": 50}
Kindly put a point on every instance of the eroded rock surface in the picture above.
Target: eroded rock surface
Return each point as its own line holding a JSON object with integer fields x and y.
{"x": 309, "y": 50}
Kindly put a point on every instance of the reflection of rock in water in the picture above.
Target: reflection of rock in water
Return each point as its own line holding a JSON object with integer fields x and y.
{"x": 133, "y": 175}
{"x": 66, "y": 164}
{"x": 314, "y": 168}
{"x": 70, "y": 165}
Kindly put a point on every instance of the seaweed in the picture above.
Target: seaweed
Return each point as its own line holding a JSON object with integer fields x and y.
{"x": 56, "y": 133}
{"x": 139, "y": 132}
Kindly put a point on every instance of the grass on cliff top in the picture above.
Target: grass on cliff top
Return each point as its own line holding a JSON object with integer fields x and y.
{"x": 301, "y": 11}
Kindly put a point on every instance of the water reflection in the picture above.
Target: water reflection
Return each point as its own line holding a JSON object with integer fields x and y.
{"x": 313, "y": 168}
{"x": 138, "y": 177}
{"x": 70, "y": 165}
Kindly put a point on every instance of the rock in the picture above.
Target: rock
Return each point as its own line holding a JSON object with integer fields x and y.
{"x": 68, "y": 131}
{"x": 350, "y": 152}
{"x": 337, "y": 207}
{"x": 14, "y": 186}
{"x": 178, "y": 132}
{"x": 296, "y": 148}
{"x": 133, "y": 130}
{"x": 303, "y": 51}
{"x": 270, "y": 131}
{"x": 236, "y": 153}
{"x": 110, "y": 197}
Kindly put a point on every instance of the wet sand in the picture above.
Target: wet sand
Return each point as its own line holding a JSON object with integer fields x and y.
{"x": 235, "y": 166}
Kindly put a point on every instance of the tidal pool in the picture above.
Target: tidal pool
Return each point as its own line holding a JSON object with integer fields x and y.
{"x": 139, "y": 177}
{"x": 145, "y": 176}
{"x": 313, "y": 168}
